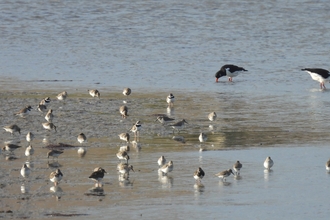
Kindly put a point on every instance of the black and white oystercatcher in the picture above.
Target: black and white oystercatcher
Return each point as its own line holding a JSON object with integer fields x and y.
{"x": 230, "y": 71}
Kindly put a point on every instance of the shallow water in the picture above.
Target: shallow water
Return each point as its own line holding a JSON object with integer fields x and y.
{"x": 158, "y": 47}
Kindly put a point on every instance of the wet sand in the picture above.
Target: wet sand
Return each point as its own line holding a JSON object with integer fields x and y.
{"x": 249, "y": 137}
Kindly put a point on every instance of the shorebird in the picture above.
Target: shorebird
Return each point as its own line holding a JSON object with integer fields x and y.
{"x": 123, "y": 169}
{"x": 199, "y": 174}
{"x": 212, "y": 116}
{"x": 161, "y": 161}
{"x": 56, "y": 176}
{"x": 94, "y": 93}
{"x": 123, "y": 155}
{"x": 42, "y": 108}
{"x": 127, "y": 91}
{"x": 45, "y": 101}
{"x": 12, "y": 129}
{"x": 224, "y": 174}
{"x": 123, "y": 111}
{"x": 136, "y": 128}
{"x": 237, "y": 167}
{"x": 170, "y": 99}
{"x": 167, "y": 168}
{"x": 268, "y": 163}
{"x": 124, "y": 137}
{"x": 10, "y": 147}
{"x": 54, "y": 153}
{"x": 62, "y": 96}
{"x": 25, "y": 171}
{"x": 29, "y": 137}
{"x": 82, "y": 138}
{"x": 202, "y": 137}
{"x": 318, "y": 74}
{"x": 49, "y": 126}
{"x": 327, "y": 165}
{"x": 98, "y": 175}
{"x": 29, "y": 151}
{"x": 164, "y": 119}
{"x": 179, "y": 125}
{"x": 230, "y": 71}
{"x": 49, "y": 116}
{"x": 24, "y": 111}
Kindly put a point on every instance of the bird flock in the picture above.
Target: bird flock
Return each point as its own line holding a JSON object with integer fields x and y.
{"x": 124, "y": 168}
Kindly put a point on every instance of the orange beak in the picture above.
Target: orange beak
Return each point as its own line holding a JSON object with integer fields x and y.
{"x": 216, "y": 79}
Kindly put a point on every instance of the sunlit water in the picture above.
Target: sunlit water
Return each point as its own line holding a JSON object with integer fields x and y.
{"x": 158, "y": 47}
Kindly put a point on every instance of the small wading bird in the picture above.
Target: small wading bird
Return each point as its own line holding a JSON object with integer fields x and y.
{"x": 54, "y": 153}
{"x": 42, "y": 108}
{"x": 127, "y": 91}
{"x": 45, "y": 101}
{"x": 25, "y": 171}
{"x": 81, "y": 138}
{"x": 230, "y": 71}
{"x": 202, "y": 137}
{"x": 62, "y": 96}
{"x": 199, "y": 174}
{"x": 94, "y": 93}
{"x": 10, "y": 147}
{"x": 24, "y": 111}
{"x": 98, "y": 175}
{"x": 49, "y": 116}
{"x": 12, "y": 129}
{"x": 123, "y": 111}
{"x": 124, "y": 168}
{"x": 56, "y": 176}
{"x": 124, "y": 137}
{"x": 29, "y": 151}
{"x": 167, "y": 168}
{"x": 237, "y": 168}
{"x": 29, "y": 136}
{"x": 327, "y": 165}
{"x": 224, "y": 174}
{"x": 318, "y": 74}
{"x": 161, "y": 161}
{"x": 123, "y": 155}
{"x": 268, "y": 163}
{"x": 49, "y": 126}
{"x": 136, "y": 129}
{"x": 170, "y": 99}
{"x": 179, "y": 125}
{"x": 212, "y": 116}
{"x": 164, "y": 119}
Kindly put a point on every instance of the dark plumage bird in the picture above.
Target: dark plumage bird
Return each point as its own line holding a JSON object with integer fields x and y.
{"x": 230, "y": 71}
{"x": 54, "y": 153}
{"x": 164, "y": 119}
{"x": 10, "y": 147}
{"x": 24, "y": 111}
{"x": 224, "y": 174}
{"x": 318, "y": 74}
{"x": 12, "y": 128}
{"x": 199, "y": 174}
{"x": 179, "y": 125}
{"x": 98, "y": 175}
